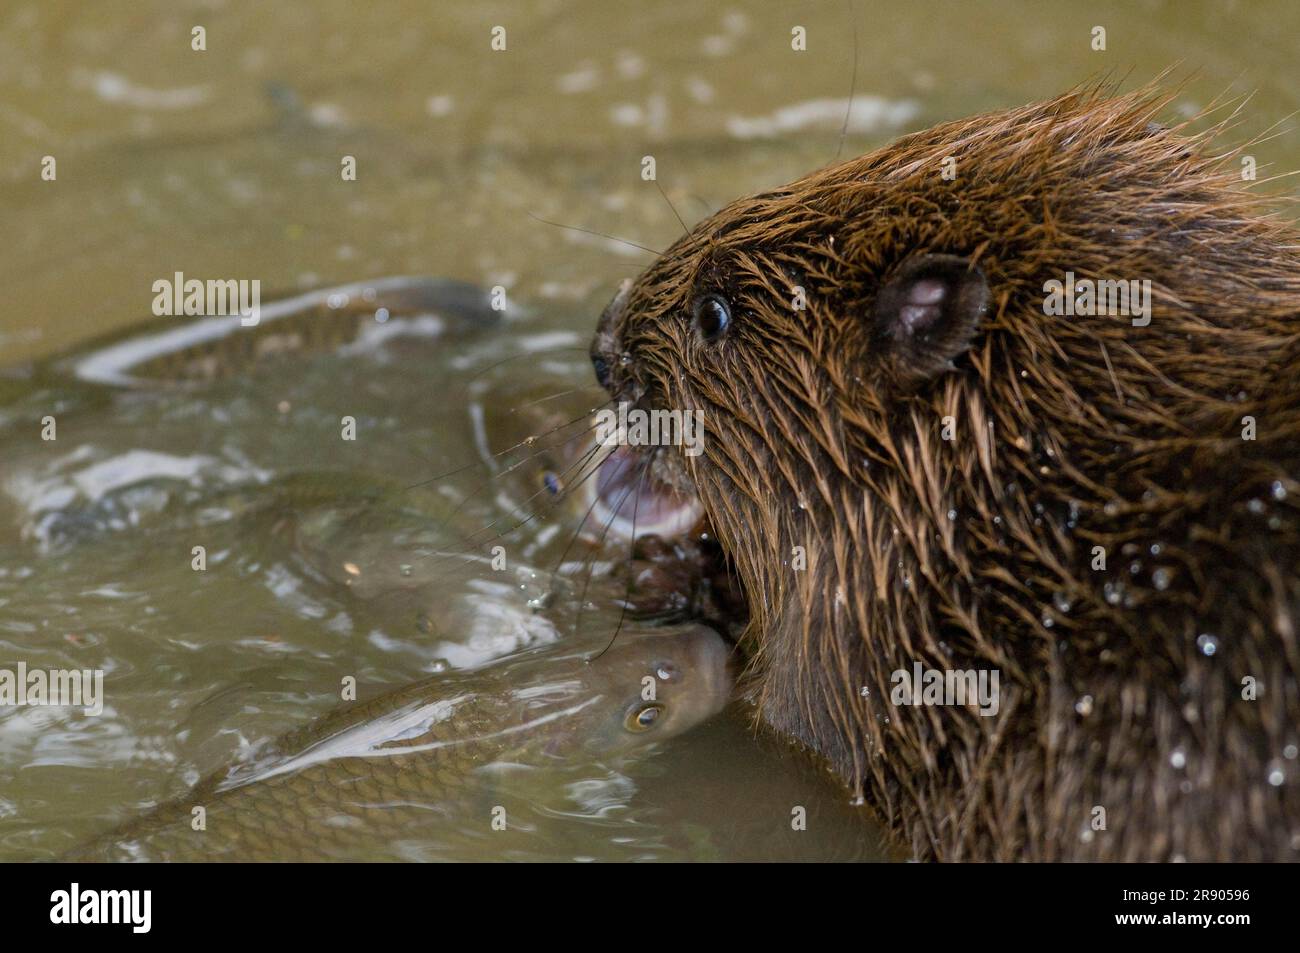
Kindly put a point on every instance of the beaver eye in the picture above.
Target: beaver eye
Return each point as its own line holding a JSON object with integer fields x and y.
{"x": 712, "y": 316}
{"x": 643, "y": 719}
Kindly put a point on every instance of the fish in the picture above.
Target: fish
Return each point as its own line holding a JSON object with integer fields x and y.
{"x": 179, "y": 352}
{"x": 461, "y": 756}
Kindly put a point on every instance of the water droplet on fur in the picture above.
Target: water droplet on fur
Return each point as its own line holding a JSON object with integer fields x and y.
{"x": 1178, "y": 759}
{"x": 439, "y": 665}
{"x": 1113, "y": 592}
{"x": 1083, "y": 707}
{"x": 1048, "y": 621}
{"x": 405, "y": 569}
{"x": 1061, "y": 601}
{"x": 1255, "y": 506}
{"x": 952, "y": 514}
{"x": 864, "y": 691}
{"x": 1134, "y": 568}
{"x": 1208, "y": 644}
{"x": 625, "y": 358}
{"x": 1157, "y": 549}
{"x": 1111, "y": 508}
{"x": 1290, "y": 752}
{"x": 1160, "y": 578}
{"x": 1276, "y": 776}
{"x": 1279, "y": 491}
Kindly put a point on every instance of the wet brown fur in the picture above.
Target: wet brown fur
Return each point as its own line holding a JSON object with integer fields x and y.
{"x": 1070, "y": 433}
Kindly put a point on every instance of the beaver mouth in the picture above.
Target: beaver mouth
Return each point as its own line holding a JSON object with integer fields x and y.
{"x": 628, "y": 500}
{"x": 677, "y": 570}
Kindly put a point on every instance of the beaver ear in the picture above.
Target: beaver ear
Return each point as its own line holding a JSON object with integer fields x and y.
{"x": 927, "y": 313}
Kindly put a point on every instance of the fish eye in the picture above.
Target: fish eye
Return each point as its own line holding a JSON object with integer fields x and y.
{"x": 712, "y": 316}
{"x": 643, "y": 718}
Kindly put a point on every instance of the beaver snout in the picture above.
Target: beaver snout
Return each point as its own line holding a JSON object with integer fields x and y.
{"x": 604, "y": 345}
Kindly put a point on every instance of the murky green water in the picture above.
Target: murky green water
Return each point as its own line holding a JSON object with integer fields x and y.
{"x": 226, "y": 163}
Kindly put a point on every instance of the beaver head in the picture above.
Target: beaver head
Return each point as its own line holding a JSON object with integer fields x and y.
{"x": 909, "y": 460}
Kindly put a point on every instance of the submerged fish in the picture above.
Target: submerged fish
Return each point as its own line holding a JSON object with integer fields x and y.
{"x": 435, "y": 759}
{"x": 190, "y": 350}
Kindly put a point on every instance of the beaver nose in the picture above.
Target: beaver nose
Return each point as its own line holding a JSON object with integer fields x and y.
{"x": 603, "y": 344}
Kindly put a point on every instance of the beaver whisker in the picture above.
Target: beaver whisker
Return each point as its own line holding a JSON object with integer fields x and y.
{"x": 853, "y": 83}
{"x": 591, "y": 231}
{"x": 672, "y": 208}
{"x": 590, "y": 564}
{"x": 545, "y": 350}
{"x": 526, "y": 442}
{"x": 631, "y": 576}
{"x": 595, "y": 499}
{"x": 472, "y": 544}
{"x": 563, "y": 393}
